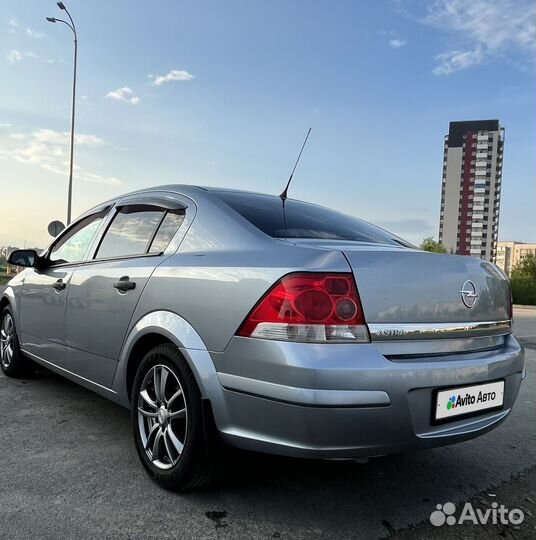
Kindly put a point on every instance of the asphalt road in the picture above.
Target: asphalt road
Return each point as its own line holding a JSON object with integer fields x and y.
{"x": 69, "y": 470}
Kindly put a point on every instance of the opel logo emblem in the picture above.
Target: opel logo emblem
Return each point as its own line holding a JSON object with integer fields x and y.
{"x": 469, "y": 294}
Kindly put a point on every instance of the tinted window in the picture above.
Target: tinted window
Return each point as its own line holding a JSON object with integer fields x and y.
{"x": 72, "y": 246}
{"x": 169, "y": 226}
{"x": 130, "y": 232}
{"x": 296, "y": 219}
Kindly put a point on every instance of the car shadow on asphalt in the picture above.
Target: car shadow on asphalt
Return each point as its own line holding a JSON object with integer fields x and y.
{"x": 238, "y": 468}
{"x": 280, "y": 493}
{"x": 242, "y": 470}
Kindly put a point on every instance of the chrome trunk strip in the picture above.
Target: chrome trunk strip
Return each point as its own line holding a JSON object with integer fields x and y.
{"x": 418, "y": 331}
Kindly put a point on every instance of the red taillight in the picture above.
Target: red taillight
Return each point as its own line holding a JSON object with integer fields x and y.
{"x": 309, "y": 308}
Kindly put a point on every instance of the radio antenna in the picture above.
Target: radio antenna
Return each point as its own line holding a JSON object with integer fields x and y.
{"x": 285, "y": 191}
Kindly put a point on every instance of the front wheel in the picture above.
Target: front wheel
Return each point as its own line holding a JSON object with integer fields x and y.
{"x": 167, "y": 420}
{"x": 12, "y": 361}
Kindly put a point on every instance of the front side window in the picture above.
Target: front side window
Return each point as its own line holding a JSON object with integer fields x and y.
{"x": 72, "y": 247}
{"x": 130, "y": 232}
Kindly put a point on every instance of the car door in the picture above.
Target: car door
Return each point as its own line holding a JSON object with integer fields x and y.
{"x": 105, "y": 290}
{"x": 44, "y": 291}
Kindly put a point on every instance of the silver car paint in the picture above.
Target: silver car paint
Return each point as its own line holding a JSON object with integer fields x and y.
{"x": 424, "y": 275}
{"x": 44, "y": 335}
{"x": 95, "y": 347}
{"x": 328, "y": 400}
{"x": 339, "y": 368}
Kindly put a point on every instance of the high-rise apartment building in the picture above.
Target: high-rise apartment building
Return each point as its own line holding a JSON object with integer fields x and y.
{"x": 471, "y": 188}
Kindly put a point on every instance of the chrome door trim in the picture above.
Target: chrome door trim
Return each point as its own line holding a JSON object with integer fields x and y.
{"x": 417, "y": 331}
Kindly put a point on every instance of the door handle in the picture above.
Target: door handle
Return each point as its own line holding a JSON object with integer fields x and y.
{"x": 59, "y": 285}
{"x": 124, "y": 284}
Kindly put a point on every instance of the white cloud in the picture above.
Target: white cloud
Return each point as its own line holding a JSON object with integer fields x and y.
{"x": 15, "y": 26}
{"x": 396, "y": 43}
{"x": 453, "y": 61}
{"x": 34, "y": 34}
{"x": 49, "y": 150}
{"x": 393, "y": 40}
{"x": 483, "y": 30}
{"x": 125, "y": 94}
{"x": 88, "y": 140}
{"x": 4, "y": 125}
{"x": 173, "y": 75}
{"x": 63, "y": 137}
{"x": 14, "y": 57}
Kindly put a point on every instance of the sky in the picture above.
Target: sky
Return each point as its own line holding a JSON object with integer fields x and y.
{"x": 222, "y": 94}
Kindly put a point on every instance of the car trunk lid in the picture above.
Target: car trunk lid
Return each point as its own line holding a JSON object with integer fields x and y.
{"x": 410, "y": 286}
{"x": 416, "y": 302}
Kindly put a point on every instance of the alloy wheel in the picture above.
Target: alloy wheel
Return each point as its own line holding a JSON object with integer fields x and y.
{"x": 162, "y": 416}
{"x": 7, "y": 338}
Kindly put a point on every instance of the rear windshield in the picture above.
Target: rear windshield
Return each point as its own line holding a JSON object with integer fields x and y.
{"x": 296, "y": 219}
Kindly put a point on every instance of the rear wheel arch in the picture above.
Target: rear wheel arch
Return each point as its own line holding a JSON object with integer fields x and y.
{"x": 165, "y": 326}
{"x": 140, "y": 348}
{"x": 198, "y": 361}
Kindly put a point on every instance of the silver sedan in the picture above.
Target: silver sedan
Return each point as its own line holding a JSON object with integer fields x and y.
{"x": 231, "y": 318}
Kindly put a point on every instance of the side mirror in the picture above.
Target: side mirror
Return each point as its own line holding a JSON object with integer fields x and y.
{"x": 23, "y": 257}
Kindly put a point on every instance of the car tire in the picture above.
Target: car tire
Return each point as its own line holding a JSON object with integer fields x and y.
{"x": 172, "y": 445}
{"x": 12, "y": 361}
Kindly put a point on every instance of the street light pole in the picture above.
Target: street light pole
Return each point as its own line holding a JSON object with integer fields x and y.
{"x": 72, "y": 26}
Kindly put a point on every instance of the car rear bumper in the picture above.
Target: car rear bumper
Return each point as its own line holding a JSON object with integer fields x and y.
{"x": 343, "y": 401}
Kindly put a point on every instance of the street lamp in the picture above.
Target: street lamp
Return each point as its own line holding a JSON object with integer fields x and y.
{"x": 71, "y": 25}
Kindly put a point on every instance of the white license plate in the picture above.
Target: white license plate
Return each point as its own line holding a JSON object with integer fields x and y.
{"x": 469, "y": 399}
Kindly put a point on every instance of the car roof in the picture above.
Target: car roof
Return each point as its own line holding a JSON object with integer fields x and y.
{"x": 183, "y": 188}
{"x": 189, "y": 190}
{"x": 192, "y": 190}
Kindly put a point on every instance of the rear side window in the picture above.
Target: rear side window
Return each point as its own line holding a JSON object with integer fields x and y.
{"x": 130, "y": 232}
{"x": 169, "y": 226}
{"x": 140, "y": 229}
{"x": 296, "y": 219}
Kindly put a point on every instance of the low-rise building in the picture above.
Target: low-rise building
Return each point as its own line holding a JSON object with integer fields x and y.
{"x": 509, "y": 254}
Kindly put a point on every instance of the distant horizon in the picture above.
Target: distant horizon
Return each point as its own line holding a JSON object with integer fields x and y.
{"x": 26, "y": 245}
